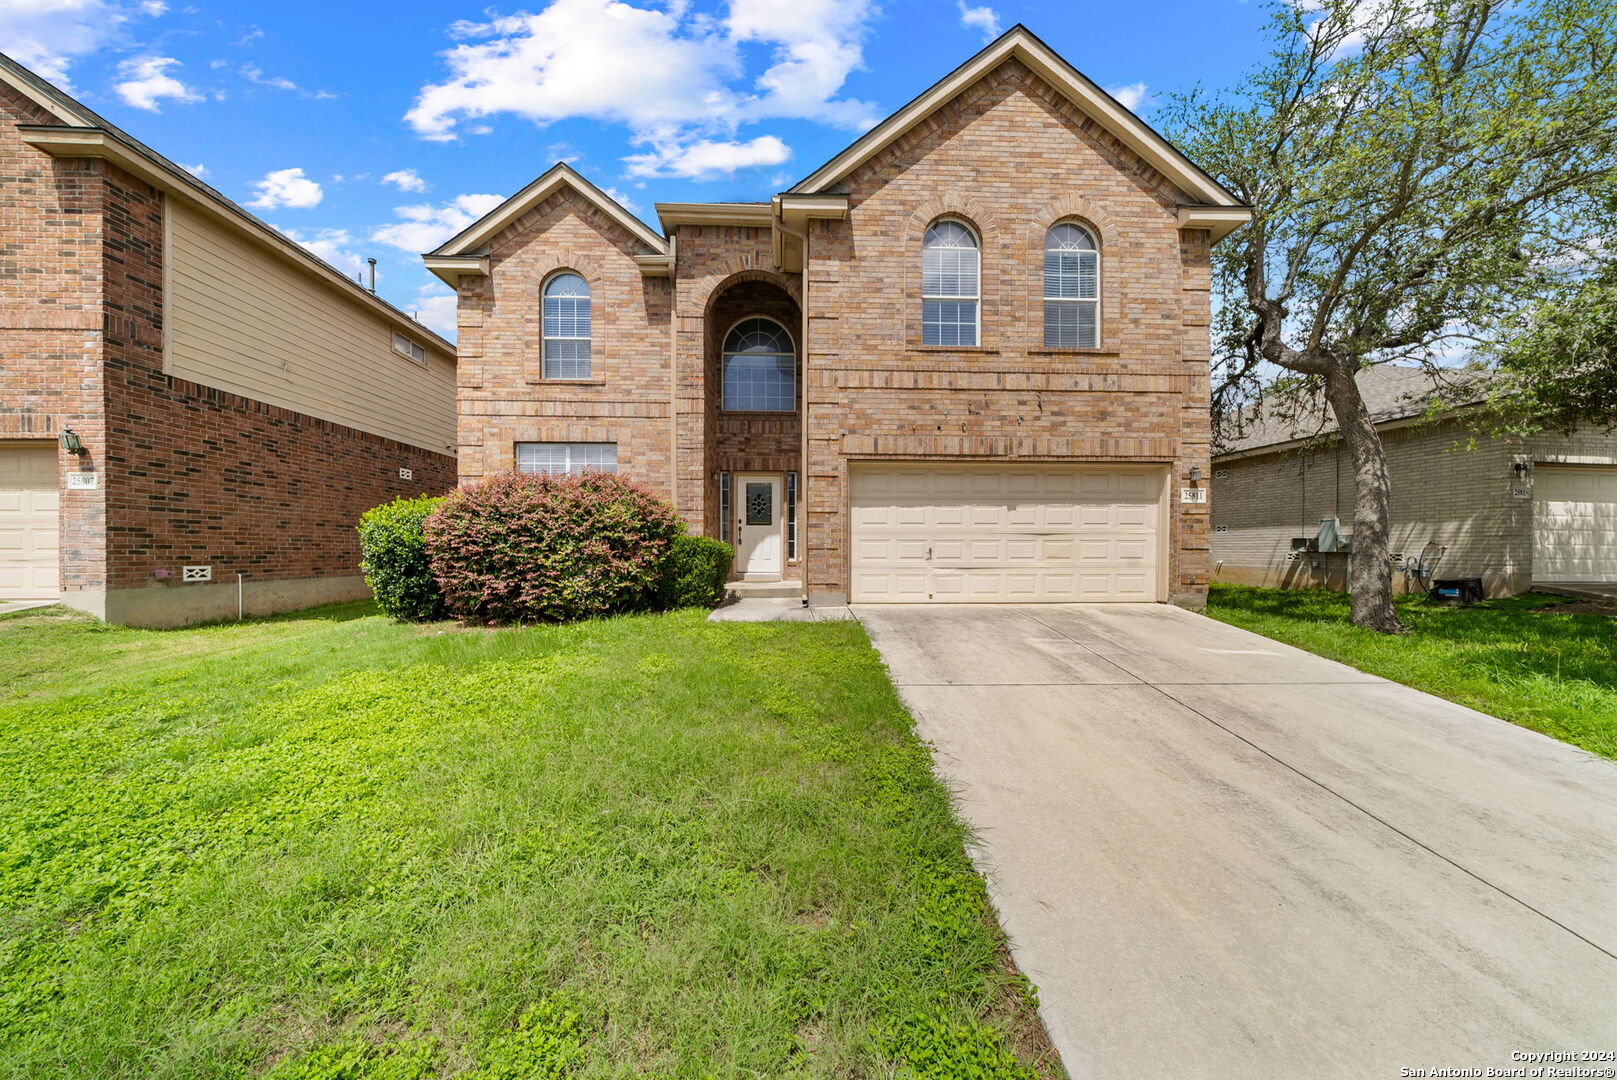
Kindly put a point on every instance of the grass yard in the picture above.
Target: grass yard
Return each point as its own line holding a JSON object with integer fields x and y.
{"x": 328, "y": 847}
{"x": 1550, "y": 671}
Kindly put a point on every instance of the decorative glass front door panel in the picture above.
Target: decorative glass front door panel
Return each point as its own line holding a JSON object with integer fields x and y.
{"x": 760, "y": 503}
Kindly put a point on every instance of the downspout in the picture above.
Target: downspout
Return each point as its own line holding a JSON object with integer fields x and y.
{"x": 673, "y": 373}
{"x": 802, "y": 411}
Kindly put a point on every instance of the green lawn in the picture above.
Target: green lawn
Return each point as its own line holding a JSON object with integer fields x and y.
{"x": 1552, "y": 672}
{"x": 330, "y": 846}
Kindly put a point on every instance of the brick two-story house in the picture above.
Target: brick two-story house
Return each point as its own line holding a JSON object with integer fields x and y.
{"x": 194, "y": 410}
{"x": 964, "y": 360}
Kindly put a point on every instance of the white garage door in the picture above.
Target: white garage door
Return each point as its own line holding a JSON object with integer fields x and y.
{"x": 28, "y": 501}
{"x": 1574, "y": 524}
{"x": 1030, "y": 534}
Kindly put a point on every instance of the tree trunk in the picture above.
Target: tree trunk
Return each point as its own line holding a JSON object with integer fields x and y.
{"x": 1370, "y": 584}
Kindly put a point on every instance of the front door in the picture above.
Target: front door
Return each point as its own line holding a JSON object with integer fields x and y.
{"x": 758, "y": 527}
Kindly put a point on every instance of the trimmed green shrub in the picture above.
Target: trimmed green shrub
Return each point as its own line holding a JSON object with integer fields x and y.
{"x": 694, "y": 572}
{"x": 393, "y": 555}
{"x": 525, "y": 548}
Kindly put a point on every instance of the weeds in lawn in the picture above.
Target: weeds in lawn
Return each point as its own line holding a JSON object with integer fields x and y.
{"x": 335, "y": 847}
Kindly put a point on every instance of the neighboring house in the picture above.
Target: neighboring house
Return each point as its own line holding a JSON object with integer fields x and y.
{"x": 236, "y": 402}
{"x": 1516, "y": 512}
{"x": 964, "y": 360}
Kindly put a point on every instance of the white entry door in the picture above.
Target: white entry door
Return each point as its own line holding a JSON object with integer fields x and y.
{"x": 759, "y": 544}
{"x": 1574, "y": 524}
{"x": 28, "y": 509}
{"x": 964, "y": 533}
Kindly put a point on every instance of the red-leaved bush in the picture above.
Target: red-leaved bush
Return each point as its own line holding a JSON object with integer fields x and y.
{"x": 524, "y": 548}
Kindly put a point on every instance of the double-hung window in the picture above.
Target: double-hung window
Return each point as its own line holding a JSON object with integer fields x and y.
{"x": 567, "y": 327}
{"x": 1071, "y": 289}
{"x": 561, "y": 457}
{"x": 950, "y": 285}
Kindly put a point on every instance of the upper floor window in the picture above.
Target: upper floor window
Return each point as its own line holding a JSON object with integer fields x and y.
{"x": 560, "y": 457}
{"x": 950, "y": 285}
{"x": 1071, "y": 289}
{"x": 405, "y": 346}
{"x": 567, "y": 327}
{"x": 760, "y": 368}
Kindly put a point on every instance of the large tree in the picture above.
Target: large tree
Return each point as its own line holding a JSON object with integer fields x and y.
{"x": 1413, "y": 167}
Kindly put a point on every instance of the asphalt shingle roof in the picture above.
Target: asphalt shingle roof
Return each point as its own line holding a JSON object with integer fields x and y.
{"x": 1391, "y": 391}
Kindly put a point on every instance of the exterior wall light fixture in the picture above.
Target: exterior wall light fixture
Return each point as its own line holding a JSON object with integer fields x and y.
{"x": 71, "y": 442}
{"x": 1195, "y": 474}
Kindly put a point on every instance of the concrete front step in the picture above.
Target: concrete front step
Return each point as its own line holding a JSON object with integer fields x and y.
{"x": 780, "y": 589}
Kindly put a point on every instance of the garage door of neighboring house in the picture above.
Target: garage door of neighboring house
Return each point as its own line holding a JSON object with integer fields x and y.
{"x": 28, "y": 502}
{"x": 1574, "y": 524}
{"x": 1008, "y": 534}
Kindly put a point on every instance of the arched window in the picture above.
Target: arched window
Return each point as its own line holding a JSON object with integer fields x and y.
{"x": 1071, "y": 288}
{"x": 950, "y": 283}
{"x": 567, "y": 327}
{"x": 760, "y": 368}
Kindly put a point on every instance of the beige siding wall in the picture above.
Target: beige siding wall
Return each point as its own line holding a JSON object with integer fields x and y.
{"x": 1465, "y": 499}
{"x": 244, "y": 320}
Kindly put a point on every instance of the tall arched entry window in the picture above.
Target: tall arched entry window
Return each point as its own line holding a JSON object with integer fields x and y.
{"x": 760, "y": 367}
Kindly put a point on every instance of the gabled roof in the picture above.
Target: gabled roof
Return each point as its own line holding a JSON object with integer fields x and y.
{"x": 474, "y": 238}
{"x": 1024, "y": 45}
{"x": 79, "y": 132}
{"x": 1392, "y": 392}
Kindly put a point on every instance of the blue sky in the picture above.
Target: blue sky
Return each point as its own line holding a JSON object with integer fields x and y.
{"x": 379, "y": 130}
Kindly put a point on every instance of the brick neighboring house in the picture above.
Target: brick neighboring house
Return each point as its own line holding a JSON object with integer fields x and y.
{"x": 965, "y": 360}
{"x": 236, "y": 402}
{"x": 1516, "y": 512}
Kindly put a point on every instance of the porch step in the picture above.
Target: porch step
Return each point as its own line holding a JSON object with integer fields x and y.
{"x": 783, "y": 589}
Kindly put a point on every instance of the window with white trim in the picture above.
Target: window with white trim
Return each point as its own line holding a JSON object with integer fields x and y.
{"x": 760, "y": 368}
{"x": 567, "y": 327}
{"x": 560, "y": 458}
{"x": 404, "y": 346}
{"x": 950, "y": 285}
{"x": 1071, "y": 288}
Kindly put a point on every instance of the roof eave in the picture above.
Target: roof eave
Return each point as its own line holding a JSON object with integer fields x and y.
{"x": 1024, "y": 45}
{"x": 102, "y": 143}
{"x": 476, "y": 236}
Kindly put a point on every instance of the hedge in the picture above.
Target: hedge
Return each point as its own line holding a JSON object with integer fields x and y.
{"x": 525, "y": 547}
{"x": 393, "y": 556}
{"x": 694, "y": 571}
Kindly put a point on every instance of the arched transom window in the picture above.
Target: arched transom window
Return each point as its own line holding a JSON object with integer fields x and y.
{"x": 1071, "y": 288}
{"x": 567, "y": 327}
{"x": 760, "y": 368}
{"x": 950, "y": 285}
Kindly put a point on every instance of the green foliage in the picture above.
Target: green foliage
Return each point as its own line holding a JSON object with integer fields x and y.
{"x": 330, "y": 846}
{"x": 1552, "y": 672}
{"x": 693, "y": 572}
{"x": 393, "y": 555}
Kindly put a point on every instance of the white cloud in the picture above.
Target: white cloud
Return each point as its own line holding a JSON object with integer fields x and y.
{"x": 335, "y": 246}
{"x": 985, "y": 19}
{"x": 435, "y": 309}
{"x": 425, "y": 227}
{"x": 675, "y": 79}
{"x": 708, "y": 158}
{"x": 199, "y": 170}
{"x": 288, "y": 188}
{"x": 622, "y": 199}
{"x": 147, "y": 83}
{"x": 1134, "y": 97}
{"x": 254, "y": 73}
{"x": 48, "y": 35}
{"x": 818, "y": 44}
{"x": 405, "y": 180}
{"x": 153, "y": 8}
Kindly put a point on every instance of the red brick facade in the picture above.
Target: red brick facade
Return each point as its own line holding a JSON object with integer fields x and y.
{"x": 186, "y": 474}
{"x": 1012, "y": 155}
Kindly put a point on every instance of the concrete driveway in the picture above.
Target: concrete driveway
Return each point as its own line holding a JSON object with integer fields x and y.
{"x": 1218, "y": 856}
